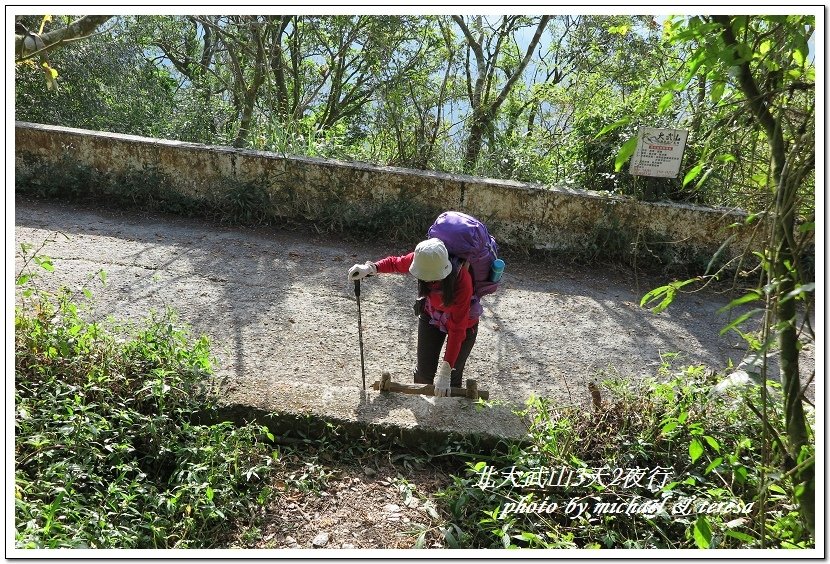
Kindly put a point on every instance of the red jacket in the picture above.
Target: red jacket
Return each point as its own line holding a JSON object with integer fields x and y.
{"x": 455, "y": 318}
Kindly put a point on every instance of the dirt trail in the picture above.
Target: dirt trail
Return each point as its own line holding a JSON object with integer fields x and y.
{"x": 277, "y": 305}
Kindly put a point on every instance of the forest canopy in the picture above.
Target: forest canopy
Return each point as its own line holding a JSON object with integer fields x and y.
{"x": 554, "y": 99}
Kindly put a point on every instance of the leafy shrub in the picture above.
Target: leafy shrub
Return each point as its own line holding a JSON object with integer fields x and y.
{"x": 109, "y": 448}
{"x": 245, "y": 204}
{"x": 700, "y": 460}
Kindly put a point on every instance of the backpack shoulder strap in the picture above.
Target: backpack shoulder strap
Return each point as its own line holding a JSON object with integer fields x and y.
{"x": 459, "y": 263}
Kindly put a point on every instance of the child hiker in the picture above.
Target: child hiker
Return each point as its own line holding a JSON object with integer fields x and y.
{"x": 445, "y": 292}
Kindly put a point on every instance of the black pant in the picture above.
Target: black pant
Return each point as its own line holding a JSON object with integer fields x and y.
{"x": 430, "y": 341}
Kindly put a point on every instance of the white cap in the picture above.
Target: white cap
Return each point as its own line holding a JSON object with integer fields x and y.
{"x": 431, "y": 261}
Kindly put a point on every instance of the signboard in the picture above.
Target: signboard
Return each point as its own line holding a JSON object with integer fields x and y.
{"x": 659, "y": 152}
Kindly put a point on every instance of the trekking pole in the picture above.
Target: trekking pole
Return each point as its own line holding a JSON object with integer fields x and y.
{"x": 360, "y": 332}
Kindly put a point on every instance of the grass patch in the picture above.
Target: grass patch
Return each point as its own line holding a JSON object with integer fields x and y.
{"x": 668, "y": 465}
{"x": 109, "y": 451}
{"x": 391, "y": 220}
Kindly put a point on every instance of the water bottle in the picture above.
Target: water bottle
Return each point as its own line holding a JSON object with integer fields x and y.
{"x": 496, "y": 270}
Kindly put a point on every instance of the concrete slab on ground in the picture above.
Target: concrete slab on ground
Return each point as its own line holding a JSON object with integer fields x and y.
{"x": 410, "y": 420}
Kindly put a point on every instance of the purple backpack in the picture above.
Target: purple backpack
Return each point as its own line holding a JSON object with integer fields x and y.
{"x": 468, "y": 239}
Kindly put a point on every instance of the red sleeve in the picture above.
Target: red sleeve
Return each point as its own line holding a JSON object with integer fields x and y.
{"x": 395, "y": 265}
{"x": 459, "y": 312}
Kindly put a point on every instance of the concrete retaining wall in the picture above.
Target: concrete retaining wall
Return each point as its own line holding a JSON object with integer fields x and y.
{"x": 519, "y": 213}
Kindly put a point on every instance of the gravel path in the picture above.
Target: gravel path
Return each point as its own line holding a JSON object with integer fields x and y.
{"x": 276, "y": 305}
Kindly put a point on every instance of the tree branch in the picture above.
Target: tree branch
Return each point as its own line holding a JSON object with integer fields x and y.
{"x": 518, "y": 72}
{"x": 79, "y": 29}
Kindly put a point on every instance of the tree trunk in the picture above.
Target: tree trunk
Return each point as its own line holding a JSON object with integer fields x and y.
{"x": 247, "y": 94}
{"x": 785, "y": 312}
{"x": 478, "y": 127}
{"x": 782, "y": 259}
{"x": 484, "y": 112}
{"x": 278, "y": 66}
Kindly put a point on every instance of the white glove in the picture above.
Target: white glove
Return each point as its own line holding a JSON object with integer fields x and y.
{"x": 442, "y": 379}
{"x": 359, "y": 271}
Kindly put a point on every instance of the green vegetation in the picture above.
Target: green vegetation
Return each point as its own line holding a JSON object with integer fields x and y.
{"x": 109, "y": 448}
{"x": 548, "y": 99}
{"x": 669, "y": 464}
{"x": 449, "y": 93}
{"x": 762, "y": 63}
{"x": 117, "y": 445}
